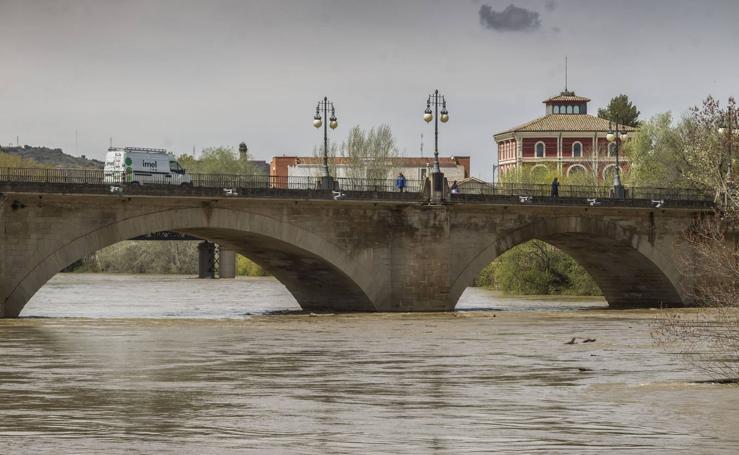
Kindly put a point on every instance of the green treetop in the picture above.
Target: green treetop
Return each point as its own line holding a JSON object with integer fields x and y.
{"x": 621, "y": 110}
{"x": 217, "y": 160}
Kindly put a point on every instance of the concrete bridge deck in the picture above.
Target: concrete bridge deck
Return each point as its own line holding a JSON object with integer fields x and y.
{"x": 377, "y": 251}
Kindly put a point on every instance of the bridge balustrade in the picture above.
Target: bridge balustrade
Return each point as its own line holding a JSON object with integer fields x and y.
{"x": 96, "y": 180}
{"x": 485, "y": 191}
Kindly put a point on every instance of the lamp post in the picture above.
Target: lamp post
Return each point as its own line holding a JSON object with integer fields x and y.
{"x": 616, "y": 136}
{"x": 323, "y": 106}
{"x": 729, "y": 129}
{"x": 437, "y": 178}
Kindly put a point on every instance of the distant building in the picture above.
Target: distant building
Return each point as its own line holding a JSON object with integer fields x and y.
{"x": 454, "y": 168}
{"x": 261, "y": 167}
{"x": 472, "y": 185}
{"x": 566, "y": 139}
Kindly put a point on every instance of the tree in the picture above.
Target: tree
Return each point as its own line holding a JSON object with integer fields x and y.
{"x": 709, "y": 338}
{"x": 708, "y": 152}
{"x": 369, "y": 153}
{"x": 657, "y": 154}
{"x": 12, "y": 160}
{"x": 543, "y": 174}
{"x": 333, "y": 151}
{"x": 536, "y": 267}
{"x": 217, "y": 160}
{"x": 247, "y": 267}
{"x": 620, "y": 110}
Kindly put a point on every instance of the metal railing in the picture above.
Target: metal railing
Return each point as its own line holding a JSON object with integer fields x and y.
{"x": 235, "y": 184}
{"x": 488, "y": 190}
{"x": 221, "y": 181}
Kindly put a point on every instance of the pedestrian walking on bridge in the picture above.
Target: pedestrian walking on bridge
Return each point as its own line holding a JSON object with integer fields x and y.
{"x": 400, "y": 182}
{"x": 555, "y": 187}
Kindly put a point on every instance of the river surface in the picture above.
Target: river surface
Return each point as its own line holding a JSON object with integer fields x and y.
{"x": 113, "y": 364}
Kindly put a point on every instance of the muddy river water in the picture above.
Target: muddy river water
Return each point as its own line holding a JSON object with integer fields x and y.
{"x": 109, "y": 364}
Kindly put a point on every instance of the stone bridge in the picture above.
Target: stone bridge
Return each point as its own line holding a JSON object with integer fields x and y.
{"x": 396, "y": 254}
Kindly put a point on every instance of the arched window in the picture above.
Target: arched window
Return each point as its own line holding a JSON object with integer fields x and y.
{"x": 576, "y": 169}
{"x": 569, "y": 109}
{"x": 612, "y": 149}
{"x": 576, "y": 109}
{"x": 556, "y": 109}
{"x": 576, "y": 150}
{"x": 608, "y": 172}
{"x": 541, "y": 149}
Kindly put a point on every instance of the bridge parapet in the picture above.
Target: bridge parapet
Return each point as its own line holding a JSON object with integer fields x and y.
{"x": 91, "y": 181}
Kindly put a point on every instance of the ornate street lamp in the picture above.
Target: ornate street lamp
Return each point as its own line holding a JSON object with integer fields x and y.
{"x": 437, "y": 178}
{"x": 616, "y": 136}
{"x": 323, "y": 106}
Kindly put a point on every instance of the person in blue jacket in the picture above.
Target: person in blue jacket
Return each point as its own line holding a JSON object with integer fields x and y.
{"x": 400, "y": 182}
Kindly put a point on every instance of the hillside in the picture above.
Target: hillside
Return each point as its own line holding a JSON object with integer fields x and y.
{"x": 52, "y": 157}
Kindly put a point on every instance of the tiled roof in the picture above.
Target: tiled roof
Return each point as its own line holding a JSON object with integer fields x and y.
{"x": 472, "y": 181}
{"x": 565, "y": 122}
{"x": 396, "y": 162}
{"x": 565, "y": 98}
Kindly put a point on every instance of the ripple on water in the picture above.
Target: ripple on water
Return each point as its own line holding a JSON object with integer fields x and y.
{"x": 124, "y": 375}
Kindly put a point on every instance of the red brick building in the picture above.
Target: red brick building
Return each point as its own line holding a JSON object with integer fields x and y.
{"x": 565, "y": 140}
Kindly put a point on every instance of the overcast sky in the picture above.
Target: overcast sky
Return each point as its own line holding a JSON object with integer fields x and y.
{"x": 184, "y": 74}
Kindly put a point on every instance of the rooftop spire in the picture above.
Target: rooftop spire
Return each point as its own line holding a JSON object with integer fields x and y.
{"x": 567, "y": 92}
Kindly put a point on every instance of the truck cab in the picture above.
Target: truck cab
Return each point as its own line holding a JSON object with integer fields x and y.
{"x": 142, "y": 166}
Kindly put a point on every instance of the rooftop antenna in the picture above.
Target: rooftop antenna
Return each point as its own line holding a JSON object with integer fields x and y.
{"x": 565, "y": 73}
{"x": 111, "y": 141}
{"x": 76, "y": 143}
{"x": 421, "y": 145}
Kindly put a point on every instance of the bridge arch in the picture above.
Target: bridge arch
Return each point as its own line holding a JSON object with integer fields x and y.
{"x": 629, "y": 268}
{"x": 317, "y": 272}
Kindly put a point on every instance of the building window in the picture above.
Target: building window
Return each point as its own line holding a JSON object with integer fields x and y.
{"x": 576, "y": 109}
{"x": 612, "y": 149}
{"x": 576, "y": 170}
{"x": 576, "y": 150}
{"x": 609, "y": 172}
{"x": 540, "y": 149}
{"x": 569, "y": 109}
{"x": 556, "y": 109}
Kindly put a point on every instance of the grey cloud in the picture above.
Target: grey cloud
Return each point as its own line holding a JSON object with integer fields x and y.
{"x": 511, "y": 19}
{"x": 550, "y": 5}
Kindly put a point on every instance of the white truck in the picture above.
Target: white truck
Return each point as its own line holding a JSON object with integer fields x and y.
{"x": 140, "y": 166}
